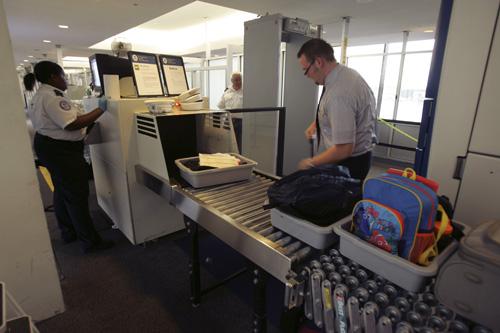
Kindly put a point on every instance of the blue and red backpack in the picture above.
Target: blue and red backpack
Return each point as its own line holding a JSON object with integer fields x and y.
{"x": 397, "y": 214}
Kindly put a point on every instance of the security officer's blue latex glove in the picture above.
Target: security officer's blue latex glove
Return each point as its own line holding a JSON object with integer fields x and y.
{"x": 103, "y": 103}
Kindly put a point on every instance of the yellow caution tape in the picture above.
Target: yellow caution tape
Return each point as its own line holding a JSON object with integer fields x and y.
{"x": 46, "y": 176}
{"x": 397, "y": 130}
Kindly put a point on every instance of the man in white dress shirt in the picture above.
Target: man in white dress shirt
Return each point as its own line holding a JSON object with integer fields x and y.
{"x": 233, "y": 99}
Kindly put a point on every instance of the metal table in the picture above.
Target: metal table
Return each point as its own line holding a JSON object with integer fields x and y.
{"x": 234, "y": 214}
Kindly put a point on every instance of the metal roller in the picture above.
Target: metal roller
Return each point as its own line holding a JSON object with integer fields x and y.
{"x": 267, "y": 231}
{"x": 238, "y": 196}
{"x": 246, "y": 213}
{"x": 249, "y": 220}
{"x": 250, "y": 214}
{"x": 255, "y": 219}
{"x": 292, "y": 248}
{"x": 234, "y": 213}
{"x": 250, "y": 199}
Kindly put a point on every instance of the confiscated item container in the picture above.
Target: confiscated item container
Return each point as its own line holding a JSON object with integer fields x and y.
{"x": 206, "y": 176}
{"x": 319, "y": 237}
{"x": 402, "y": 272}
{"x": 159, "y": 105}
{"x": 469, "y": 282}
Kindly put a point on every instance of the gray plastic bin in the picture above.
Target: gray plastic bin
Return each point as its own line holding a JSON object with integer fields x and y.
{"x": 400, "y": 271}
{"x": 314, "y": 235}
{"x": 216, "y": 176}
{"x": 474, "y": 271}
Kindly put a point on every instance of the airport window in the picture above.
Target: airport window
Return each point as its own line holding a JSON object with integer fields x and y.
{"x": 365, "y": 50}
{"x": 413, "y": 85}
{"x": 210, "y": 76}
{"x": 216, "y": 81}
{"x": 369, "y": 67}
{"x": 390, "y": 81}
{"x": 399, "y": 91}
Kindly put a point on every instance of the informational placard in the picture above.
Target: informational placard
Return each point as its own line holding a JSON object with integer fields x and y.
{"x": 174, "y": 74}
{"x": 146, "y": 74}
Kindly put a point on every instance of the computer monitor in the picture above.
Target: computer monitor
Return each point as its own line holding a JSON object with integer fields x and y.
{"x": 105, "y": 64}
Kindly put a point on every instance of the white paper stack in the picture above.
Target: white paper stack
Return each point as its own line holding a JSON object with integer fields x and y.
{"x": 218, "y": 160}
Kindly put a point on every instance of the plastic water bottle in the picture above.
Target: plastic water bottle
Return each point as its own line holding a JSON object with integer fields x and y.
{"x": 361, "y": 274}
{"x": 457, "y": 326}
{"x": 436, "y": 323}
{"x": 381, "y": 299}
{"x": 393, "y": 313}
{"x": 390, "y": 291}
{"x": 371, "y": 286}
{"x": 352, "y": 282}
{"x": 414, "y": 318}
{"x": 402, "y": 304}
{"x": 362, "y": 295}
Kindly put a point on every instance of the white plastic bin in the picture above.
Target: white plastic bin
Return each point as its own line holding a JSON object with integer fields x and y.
{"x": 216, "y": 176}
{"x": 400, "y": 271}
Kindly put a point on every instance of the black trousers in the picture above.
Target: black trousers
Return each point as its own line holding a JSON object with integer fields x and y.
{"x": 359, "y": 165}
{"x": 69, "y": 173}
{"x": 238, "y": 128}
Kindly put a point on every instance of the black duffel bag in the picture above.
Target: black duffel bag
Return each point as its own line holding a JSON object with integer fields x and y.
{"x": 321, "y": 195}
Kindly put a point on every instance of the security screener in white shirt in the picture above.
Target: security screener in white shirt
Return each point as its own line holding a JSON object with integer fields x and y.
{"x": 345, "y": 119}
{"x": 60, "y": 128}
{"x": 233, "y": 99}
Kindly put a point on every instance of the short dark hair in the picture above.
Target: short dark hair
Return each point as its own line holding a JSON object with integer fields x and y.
{"x": 315, "y": 48}
{"x": 29, "y": 81}
{"x": 45, "y": 69}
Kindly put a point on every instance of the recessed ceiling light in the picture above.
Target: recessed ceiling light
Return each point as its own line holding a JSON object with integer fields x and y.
{"x": 429, "y": 30}
{"x": 62, "y": 26}
{"x": 25, "y": 60}
{"x": 30, "y": 56}
{"x": 47, "y": 41}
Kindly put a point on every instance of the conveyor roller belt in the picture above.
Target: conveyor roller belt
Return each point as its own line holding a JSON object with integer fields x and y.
{"x": 234, "y": 213}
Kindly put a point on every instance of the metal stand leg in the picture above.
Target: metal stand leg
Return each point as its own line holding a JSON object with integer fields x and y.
{"x": 290, "y": 320}
{"x": 259, "y": 316}
{"x": 58, "y": 266}
{"x": 194, "y": 263}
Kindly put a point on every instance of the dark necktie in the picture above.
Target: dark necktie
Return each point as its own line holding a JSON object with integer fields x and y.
{"x": 318, "y": 130}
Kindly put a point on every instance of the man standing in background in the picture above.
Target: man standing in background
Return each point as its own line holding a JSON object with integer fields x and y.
{"x": 233, "y": 99}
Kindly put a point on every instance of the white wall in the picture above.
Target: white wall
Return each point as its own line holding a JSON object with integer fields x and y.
{"x": 26, "y": 259}
{"x": 469, "y": 37}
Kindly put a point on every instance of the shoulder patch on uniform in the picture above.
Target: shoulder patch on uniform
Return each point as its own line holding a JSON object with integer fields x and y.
{"x": 65, "y": 105}
{"x": 58, "y": 93}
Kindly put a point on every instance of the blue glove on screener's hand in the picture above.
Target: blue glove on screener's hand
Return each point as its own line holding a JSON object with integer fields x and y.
{"x": 103, "y": 103}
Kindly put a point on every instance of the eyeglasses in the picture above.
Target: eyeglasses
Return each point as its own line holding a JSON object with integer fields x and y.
{"x": 309, "y": 67}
